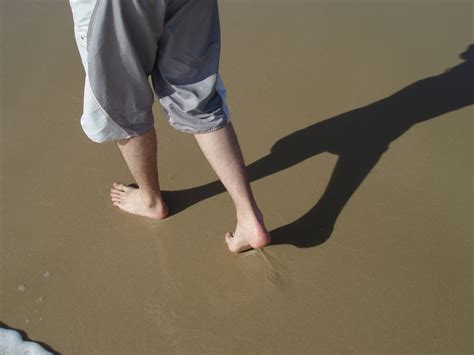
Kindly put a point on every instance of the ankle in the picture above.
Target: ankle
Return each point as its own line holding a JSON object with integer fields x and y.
{"x": 250, "y": 213}
{"x": 151, "y": 198}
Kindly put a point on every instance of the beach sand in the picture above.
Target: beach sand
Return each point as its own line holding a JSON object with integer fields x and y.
{"x": 363, "y": 170}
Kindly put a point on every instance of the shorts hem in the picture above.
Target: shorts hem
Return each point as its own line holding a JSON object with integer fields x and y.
{"x": 133, "y": 135}
{"x": 187, "y": 130}
{"x": 118, "y": 138}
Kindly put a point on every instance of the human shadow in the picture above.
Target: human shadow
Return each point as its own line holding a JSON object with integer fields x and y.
{"x": 359, "y": 138}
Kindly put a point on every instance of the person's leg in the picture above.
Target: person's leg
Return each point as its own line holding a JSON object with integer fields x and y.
{"x": 190, "y": 89}
{"x": 118, "y": 99}
{"x": 140, "y": 155}
{"x": 222, "y": 150}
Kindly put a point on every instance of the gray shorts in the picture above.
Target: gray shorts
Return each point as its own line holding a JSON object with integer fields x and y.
{"x": 123, "y": 43}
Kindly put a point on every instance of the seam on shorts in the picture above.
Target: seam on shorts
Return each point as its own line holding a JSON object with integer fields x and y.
{"x": 223, "y": 97}
{"x": 115, "y": 124}
{"x": 90, "y": 24}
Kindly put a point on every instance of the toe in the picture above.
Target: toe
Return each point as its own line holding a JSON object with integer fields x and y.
{"x": 236, "y": 245}
{"x": 228, "y": 237}
{"x": 116, "y": 199}
{"x": 118, "y": 186}
{"x": 117, "y": 191}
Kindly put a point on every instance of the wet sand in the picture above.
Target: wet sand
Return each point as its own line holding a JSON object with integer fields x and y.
{"x": 359, "y": 146}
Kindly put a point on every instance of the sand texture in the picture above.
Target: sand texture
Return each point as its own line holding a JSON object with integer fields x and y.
{"x": 355, "y": 121}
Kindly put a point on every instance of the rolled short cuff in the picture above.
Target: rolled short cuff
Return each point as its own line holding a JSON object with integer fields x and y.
{"x": 100, "y": 128}
{"x": 217, "y": 123}
{"x": 199, "y": 107}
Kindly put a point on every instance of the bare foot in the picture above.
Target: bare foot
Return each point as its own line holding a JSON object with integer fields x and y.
{"x": 250, "y": 233}
{"x": 132, "y": 200}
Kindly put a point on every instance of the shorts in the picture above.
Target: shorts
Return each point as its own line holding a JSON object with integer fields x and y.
{"x": 122, "y": 43}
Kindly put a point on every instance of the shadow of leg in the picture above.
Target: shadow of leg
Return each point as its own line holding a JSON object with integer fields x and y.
{"x": 316, "y": 226}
